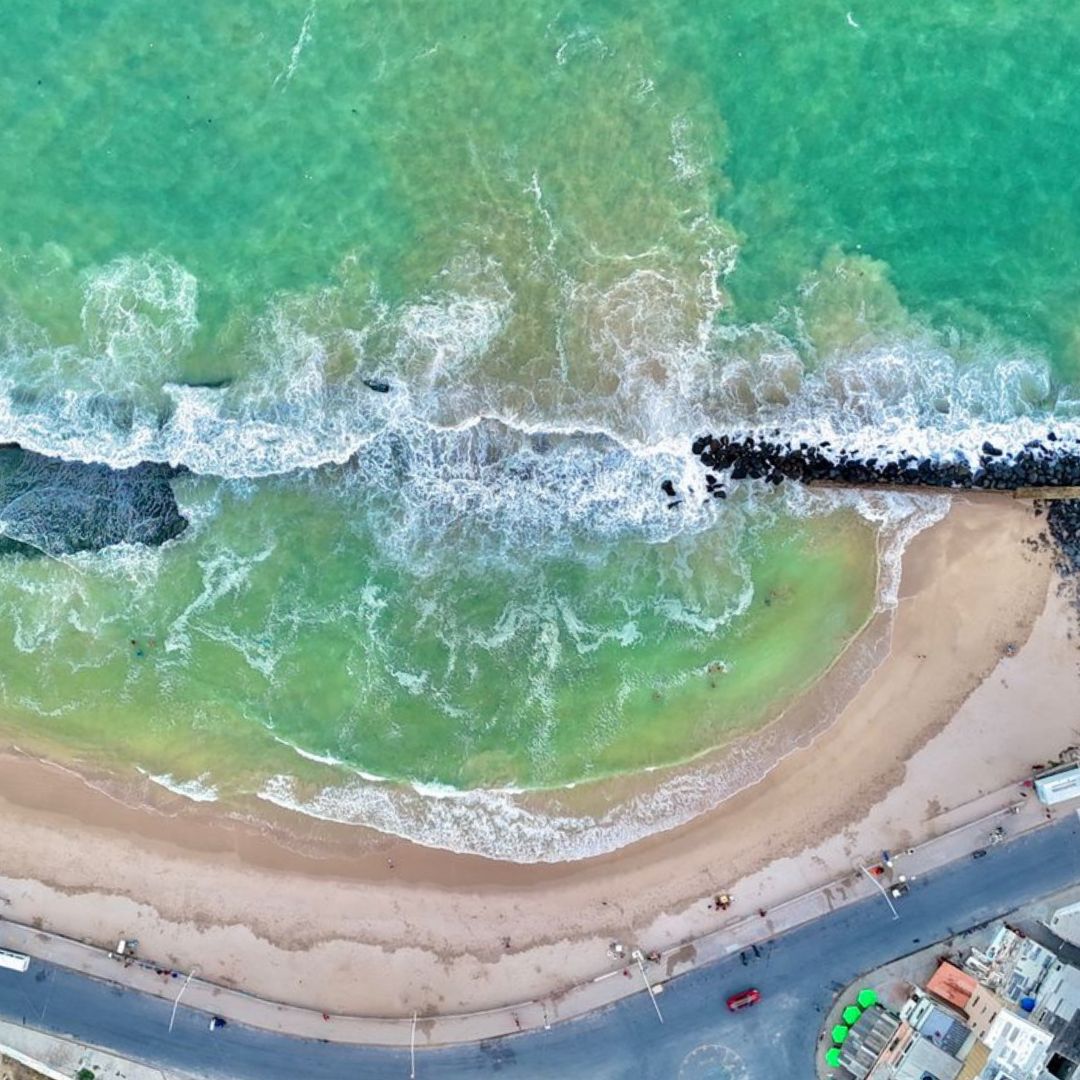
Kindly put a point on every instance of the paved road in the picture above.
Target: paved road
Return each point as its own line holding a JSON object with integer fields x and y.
{"x": 797, "y": 974}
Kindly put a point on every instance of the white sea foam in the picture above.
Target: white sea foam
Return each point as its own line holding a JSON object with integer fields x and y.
{"x": 198, "y": 790}
{"x": 285, "y": 75}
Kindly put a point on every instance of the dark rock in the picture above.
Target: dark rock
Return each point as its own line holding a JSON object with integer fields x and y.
{"x": 991, "y": 450}
{"x": 380, "y": 386}
{"x": 668, "y": 488}
{"x": 211, "y": 384}
{"x": 62, "y": 507}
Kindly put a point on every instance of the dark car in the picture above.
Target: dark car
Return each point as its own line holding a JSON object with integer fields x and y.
{"x": 978, "y": 854}
{"x": 216, "y": 1022}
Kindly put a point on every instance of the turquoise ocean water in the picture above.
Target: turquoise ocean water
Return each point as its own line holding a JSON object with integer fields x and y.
{"x": 568, "y": 237}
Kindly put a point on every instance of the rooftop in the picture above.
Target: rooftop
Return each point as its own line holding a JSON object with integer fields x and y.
{"x": 1065, "y": 922}
{"x": 952, "y": 985}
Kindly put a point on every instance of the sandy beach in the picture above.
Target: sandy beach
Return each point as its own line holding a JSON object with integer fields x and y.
{"x": 350, "y": 921}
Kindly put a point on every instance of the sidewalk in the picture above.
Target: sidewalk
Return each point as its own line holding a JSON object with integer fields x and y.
{"x": 966, "y": 828}
{"x": 61, "y": 1059}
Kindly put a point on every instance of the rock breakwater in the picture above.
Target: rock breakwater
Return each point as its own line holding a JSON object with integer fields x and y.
{"x": 771, "y": 460}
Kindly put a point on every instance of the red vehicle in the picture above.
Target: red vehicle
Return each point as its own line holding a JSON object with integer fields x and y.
{"x": 743, "y": 1000}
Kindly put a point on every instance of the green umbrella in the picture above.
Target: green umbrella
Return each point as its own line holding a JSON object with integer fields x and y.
{"x": 832, "y": 1057}
{"x": 851, "y": 1014}
{"x": 866, "y": 998}
{"x": 840, "y": 1033}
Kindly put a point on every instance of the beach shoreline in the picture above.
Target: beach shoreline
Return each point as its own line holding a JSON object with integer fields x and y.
{"x": 292, "y": 910}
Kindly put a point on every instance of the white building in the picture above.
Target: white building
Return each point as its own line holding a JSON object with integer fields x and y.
{"x": 1065, "y": 922}
{"x": 1018, "y": 1048}
{"x": 1058, "y": 785}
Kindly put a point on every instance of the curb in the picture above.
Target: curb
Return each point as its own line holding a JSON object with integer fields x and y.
{"x": 31, "y": 1063}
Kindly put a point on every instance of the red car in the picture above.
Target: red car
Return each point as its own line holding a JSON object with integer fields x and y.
{"x": 743, "y": 1000}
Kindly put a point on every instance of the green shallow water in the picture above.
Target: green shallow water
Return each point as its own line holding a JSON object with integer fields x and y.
{"x": 576, "y": 218}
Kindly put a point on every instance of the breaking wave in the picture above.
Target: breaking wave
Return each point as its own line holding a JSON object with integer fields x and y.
{"x": 413, "y": 411}
{"x": 525, "y": 827}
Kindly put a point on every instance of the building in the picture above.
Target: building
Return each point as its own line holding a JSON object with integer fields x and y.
{"x": 1065, "y": 922}
{"x": 939, "y": 1024}
{"x": 982, "y": 1010}
{"x": 1013, "y": 965}
{"x": 924, "y": 1061}
{"x": 1058, "y": 785}
{"x": 1018, "y": 1048}
{"x": 953, "y": 986}
{"x": 1058, "y": 1010}
{"x": 875, "y": 1033}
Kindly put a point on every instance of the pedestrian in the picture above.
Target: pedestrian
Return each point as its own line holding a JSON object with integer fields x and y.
{"x": 762, "y": 912}
{"x": 326, "y": 1016}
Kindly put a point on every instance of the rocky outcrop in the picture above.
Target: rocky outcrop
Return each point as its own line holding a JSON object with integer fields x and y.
{"x": 60, "y": 507}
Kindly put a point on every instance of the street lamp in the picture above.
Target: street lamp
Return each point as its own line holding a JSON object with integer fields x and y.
{"x": 881, "y": 890}
{"x": 179, "y": 995}
{"x": 636, "y": 954}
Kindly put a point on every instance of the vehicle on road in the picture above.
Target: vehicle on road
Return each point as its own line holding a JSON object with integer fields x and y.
{"x": 13, "y": 961}
{"x": 743, "y": 1000}
{"x": 979, "y": 853}
{"x": 217, "y": 1022}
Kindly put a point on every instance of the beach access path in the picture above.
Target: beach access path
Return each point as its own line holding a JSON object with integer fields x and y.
{"x": 797, "y": 972}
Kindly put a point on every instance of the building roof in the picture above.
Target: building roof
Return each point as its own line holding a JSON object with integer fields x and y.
{"x": 952, "y": 985}
{"x": 1018, "y": 1045}
{"x": 924, "y": 1060}
{"x": 1065, "y": 922}
{"x": 977, "y": 1060}
{"x": 1066, "y": 1042}
{"x": 1015, "y": 966}
{"x": 1060, "y": 993}
{"x": 1057, "y": 785}
{"x": 869, "y": 1036}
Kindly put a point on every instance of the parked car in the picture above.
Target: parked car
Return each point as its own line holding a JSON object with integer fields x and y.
{"x": 743, "y": 1000}
{"x": 978, "y": 854}
{"x": 216, "y": 1022}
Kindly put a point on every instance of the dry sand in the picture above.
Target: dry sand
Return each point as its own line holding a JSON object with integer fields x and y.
{"x": 969, "y": 696}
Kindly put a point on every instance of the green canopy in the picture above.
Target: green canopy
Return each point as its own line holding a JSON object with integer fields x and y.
{"x": 851, "y": 1014}
{"x": 867, "y": 998}
{"x": 840, "y": 1033}
{"x": 832, "y": 1057}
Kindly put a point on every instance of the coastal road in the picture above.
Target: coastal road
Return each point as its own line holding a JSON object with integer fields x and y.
{"x": 797, "y": 974}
